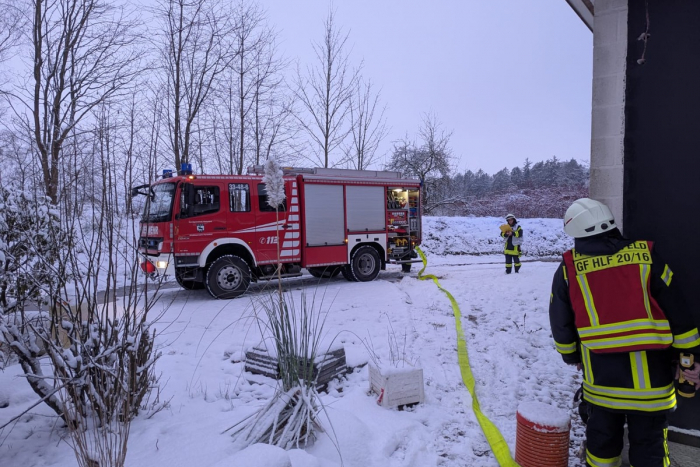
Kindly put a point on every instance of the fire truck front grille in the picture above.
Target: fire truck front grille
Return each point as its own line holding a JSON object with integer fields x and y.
{"x": 149, "y": 243}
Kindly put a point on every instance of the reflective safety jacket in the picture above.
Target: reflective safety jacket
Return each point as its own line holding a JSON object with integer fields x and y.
{"x": 510, "y": 248}
{"x": 613, "y": 309}
{"x": 606, "y": 319}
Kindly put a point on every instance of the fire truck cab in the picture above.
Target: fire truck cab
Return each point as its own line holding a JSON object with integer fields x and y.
{"x": 218, "y": 231}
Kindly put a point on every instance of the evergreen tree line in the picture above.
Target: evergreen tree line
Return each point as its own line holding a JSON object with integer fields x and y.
{"x": 542, "y": 189}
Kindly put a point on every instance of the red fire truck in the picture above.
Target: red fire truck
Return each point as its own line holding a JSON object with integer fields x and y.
{"x": 218, "y": 231}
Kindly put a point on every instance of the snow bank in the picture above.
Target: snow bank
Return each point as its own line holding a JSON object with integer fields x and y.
{"x": 544, "y": 238}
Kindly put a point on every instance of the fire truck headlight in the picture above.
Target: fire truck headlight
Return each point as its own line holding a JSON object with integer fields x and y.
{"x": 161, "y": 264}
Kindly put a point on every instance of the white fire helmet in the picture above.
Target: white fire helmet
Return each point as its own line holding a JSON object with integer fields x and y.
{"x": 510, "y": 216}
{"x": 587, "y": 217}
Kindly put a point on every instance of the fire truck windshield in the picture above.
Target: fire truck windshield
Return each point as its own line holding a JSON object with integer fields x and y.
{"x": 160, "y": 206}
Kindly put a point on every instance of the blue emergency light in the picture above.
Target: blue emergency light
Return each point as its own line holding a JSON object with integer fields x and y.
{"x": 186, "y": 169}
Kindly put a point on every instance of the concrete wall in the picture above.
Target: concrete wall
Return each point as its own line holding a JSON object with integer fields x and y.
{"x": 608, "y": 108}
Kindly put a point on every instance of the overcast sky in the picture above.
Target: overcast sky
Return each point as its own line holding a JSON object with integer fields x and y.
{"x": 510, "y": 78}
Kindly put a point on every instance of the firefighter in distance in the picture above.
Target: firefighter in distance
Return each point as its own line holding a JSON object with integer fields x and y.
{"x": 615, "y": 314}
{"x": 513, "y": 234}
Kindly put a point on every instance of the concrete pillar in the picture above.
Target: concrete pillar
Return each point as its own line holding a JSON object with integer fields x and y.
{"x": 608, "y": 106}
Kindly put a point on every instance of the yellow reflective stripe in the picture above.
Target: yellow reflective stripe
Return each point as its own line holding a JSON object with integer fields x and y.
{"x": 644, "y": 270}
{"x": 588, "y": 299}
{"x": 595, "y": 461}
{"x": 667, "y": 457}
{"x": 656, "y": 405}
{"x": 635, "y": 370}
{"x": 628, "y": 341}
{"x": 633, "y": 325}
{"x": 586, "y": 360}
{"x": 627, "y": 393}
{"x": 667, "y": 275}
{"x": 565, "y": 348}
{"x": 687, "y": 340}
{"x": 640, "y": 370}
{"x": 494, "y": 437}
{"x": 565, "y": 277}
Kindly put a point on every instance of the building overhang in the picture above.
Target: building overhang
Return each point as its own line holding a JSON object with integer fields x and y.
{"x": 584, "y": 9}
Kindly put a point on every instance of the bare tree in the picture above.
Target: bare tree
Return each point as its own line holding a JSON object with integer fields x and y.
{"x": 12, "y": 22}
{"x": 250, "y": 41}
{"x": 225, "y": 135}
{"x": 235, "y": 98}
{"x": 325, "y": 93}
{"x": 274, "y": 131}
{"x": 83, "y": 54}
{"x": 367, "y": 126}
{"x": 430, "y": 161}
{"x": 196, "y": 51}
{"x": 272, "y": 112}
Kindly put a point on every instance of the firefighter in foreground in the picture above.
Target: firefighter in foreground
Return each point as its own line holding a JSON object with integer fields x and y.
{"x": 513, "y": 234}
{"x": 615, "y": 314}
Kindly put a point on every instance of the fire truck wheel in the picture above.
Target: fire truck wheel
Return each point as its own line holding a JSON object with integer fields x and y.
{"x": 188, "y": 284}
{"x": 365, "y": 264}
{"x": 347, "y": 273}
{"x": 324, "y": 272}
{"x": 228, "y": 277}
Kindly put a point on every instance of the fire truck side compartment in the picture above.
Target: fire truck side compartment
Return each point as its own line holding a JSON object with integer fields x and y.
{"x": 323, "y": 215}
{"x": 365, "y": 208}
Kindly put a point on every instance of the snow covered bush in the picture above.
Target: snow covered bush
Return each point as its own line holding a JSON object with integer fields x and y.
{"x": 86, "y": 348}
{"x": 30, "y": 238}
{"x": 108, "y": 371}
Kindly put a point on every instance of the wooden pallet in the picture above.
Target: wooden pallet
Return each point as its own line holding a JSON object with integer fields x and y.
{"x": 327, "y": 366}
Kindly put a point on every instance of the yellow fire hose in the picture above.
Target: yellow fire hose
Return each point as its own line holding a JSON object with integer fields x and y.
{"x": 493, "y": 436}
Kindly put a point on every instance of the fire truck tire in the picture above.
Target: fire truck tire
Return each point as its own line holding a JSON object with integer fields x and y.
{"x": 188, "y": 284}
{"x": 325, "y": 272}
{"x": 365, "y": 264}
{"x": 228, "y": 277}
{"x": 406, "y": 267}
{"x": 347, "y": 273}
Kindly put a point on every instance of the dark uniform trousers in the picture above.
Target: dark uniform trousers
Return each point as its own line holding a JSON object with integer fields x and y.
{"x": 512, "y": 260}
{"x": 646, "y": 433}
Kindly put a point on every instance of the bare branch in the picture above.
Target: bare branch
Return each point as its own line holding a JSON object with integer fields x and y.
{"x": 325, "y": 93}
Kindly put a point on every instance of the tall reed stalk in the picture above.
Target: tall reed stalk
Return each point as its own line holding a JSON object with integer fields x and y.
{"x": 290, "y": 419}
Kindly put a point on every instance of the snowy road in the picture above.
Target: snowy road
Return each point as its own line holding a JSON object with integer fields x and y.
{"x": 505, "y": 322}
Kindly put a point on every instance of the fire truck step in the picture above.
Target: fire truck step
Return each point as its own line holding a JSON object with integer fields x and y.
{"x": 275, "y": 276}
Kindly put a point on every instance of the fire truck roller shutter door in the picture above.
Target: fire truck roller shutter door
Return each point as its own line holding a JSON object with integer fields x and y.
{"x": 365, "y": 208}
{"x": 324, "y": 215}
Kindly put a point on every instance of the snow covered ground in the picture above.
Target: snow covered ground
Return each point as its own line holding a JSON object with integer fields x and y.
{"x": 203, "y": 340}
